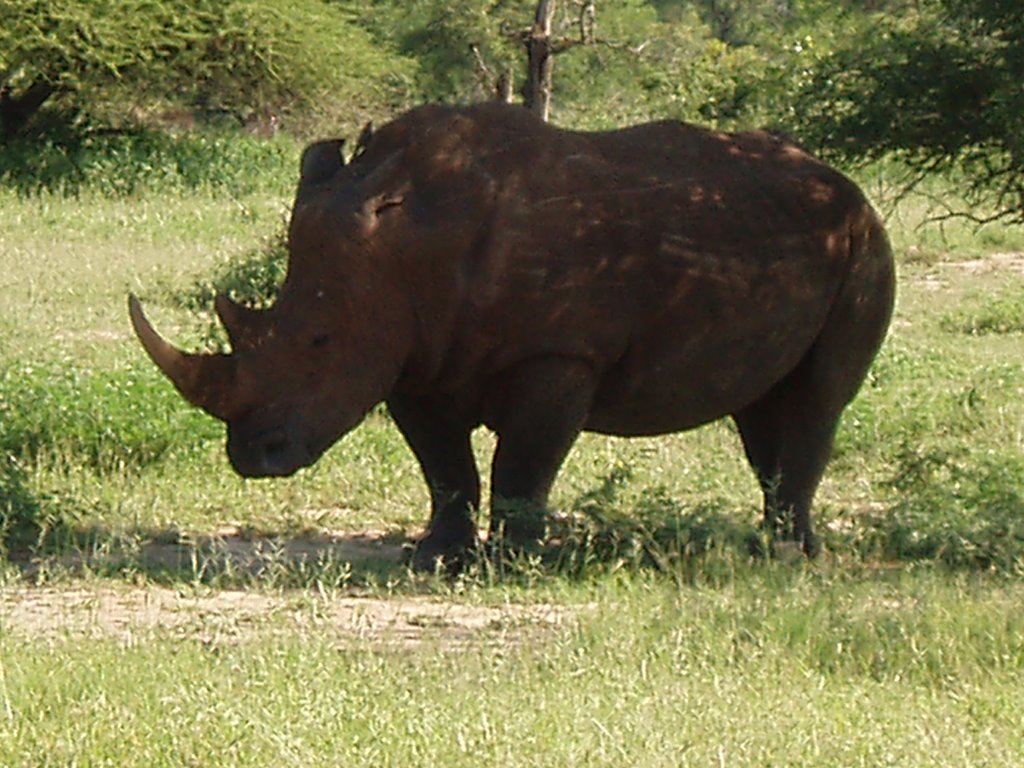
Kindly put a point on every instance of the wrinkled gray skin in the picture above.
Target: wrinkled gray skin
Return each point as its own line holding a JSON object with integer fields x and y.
{"x": 476, "y": 266}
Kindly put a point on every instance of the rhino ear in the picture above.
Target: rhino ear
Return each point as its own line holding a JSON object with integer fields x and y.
{"x": 365, "y": 137}
{"x": 320, "y": 161}
{"x": 383, "y": 190}
{"x": 245, "y": 326}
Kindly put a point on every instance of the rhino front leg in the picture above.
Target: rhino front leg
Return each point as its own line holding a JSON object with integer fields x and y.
{"x": 538, "y": 410}
{"x": 445, "y": 454}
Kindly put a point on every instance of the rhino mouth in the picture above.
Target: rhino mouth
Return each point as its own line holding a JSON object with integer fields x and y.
{"x": 270, "y": 453}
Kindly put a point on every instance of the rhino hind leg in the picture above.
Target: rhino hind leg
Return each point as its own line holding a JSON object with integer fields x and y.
{"x": 788, "y": 433}
{"x": 788, "y": 443}
{"x": 445, "y": 455}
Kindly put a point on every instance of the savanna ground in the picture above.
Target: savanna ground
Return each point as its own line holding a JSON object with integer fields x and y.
{"x": 157, "y": 610}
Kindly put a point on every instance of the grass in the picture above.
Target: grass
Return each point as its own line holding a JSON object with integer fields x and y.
{"x": 782, "y": 667}
{"x": 1002, "y": 313}
{"x": 900, "y": 646}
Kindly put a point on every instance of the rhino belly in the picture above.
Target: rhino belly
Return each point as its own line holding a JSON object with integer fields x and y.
{"x": 675, "y": 386}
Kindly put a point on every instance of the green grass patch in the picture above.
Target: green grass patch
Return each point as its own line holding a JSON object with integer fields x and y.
{"x": 950, "y": 506}
{"x": 1000, "y": 314}
{"x": 906, "y": 670}
{"x": 105, "y": 419}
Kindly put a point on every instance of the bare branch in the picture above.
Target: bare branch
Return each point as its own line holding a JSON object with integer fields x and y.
{"x": 542, "y": 46}
{"x": 484, "y": 75}
{"x": 588, "y": 21}
{"x": 563, "y": 44}
{"x": 500, "y": 86}
{"x": 1004, "y": 216}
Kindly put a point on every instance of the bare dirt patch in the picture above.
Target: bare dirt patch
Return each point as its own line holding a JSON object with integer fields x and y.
{"x": 96, "y": 609}
{"x": 994, "y": 262}
{"x": 229, "y": 548}
{"x": 940, "y": 275}
{"x": 1009, "y": 261}
{"x": 128, "y": 614}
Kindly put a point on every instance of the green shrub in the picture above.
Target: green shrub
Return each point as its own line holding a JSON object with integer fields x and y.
{"x": 129, "y": 163}
{"x": 19, "y": 508}
{"x": 252, "y": 278}
{"x": 115, "y": 63}
{"x": 32, "y": 519}
{"x": 957, "y": 507}
{"x": 606, "y": 529}
{"x": 106, "y": 419}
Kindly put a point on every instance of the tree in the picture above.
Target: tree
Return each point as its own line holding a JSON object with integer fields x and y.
{"x": 106, "y": 57}
{"x": 939, "y": 88}
{"x": 542, "y": 47}
{"x": 540, "y": 61}
{"x": 59, "y": 48}
{"x": 473, "y": 49}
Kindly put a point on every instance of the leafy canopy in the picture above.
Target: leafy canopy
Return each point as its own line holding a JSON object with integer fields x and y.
{"x": 939, "y": 86}
{"x": 109, "y": 58}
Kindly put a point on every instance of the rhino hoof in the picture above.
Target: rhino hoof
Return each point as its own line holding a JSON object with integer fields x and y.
{"x": 784, "y": 550}
{"x": 441, "y": 554}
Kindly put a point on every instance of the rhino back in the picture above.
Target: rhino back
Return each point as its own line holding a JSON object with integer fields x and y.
{"x": 690, "y": 269}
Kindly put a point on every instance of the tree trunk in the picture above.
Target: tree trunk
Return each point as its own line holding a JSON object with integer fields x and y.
{"x": 16, "y": 110}
{"x": 540, "y": 60}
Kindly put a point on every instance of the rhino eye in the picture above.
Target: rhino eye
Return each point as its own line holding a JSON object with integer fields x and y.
{"x": 320, "y": 340}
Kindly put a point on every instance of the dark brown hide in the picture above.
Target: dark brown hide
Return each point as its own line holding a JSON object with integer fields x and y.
{"x": 477, "y": 266}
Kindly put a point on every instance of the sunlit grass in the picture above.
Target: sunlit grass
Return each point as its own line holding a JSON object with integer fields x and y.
{"x": 66, "y": 264}
{"x": 781, "y": 667}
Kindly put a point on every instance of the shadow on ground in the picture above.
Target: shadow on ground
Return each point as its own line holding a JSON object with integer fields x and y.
{"x": 228, "y": 557}
{"x": 600, "y": 531}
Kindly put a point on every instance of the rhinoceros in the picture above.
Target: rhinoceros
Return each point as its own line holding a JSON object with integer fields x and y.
{"x": 476, "y": 266}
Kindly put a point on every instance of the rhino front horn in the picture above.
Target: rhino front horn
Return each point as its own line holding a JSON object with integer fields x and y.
{"x": 203, "y": 380}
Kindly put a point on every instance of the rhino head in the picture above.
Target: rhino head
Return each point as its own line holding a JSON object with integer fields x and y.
{"x": 306, "y": 370}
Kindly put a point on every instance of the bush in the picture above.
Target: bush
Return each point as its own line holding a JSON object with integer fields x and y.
{"x": 304, "y": 62}
{"x": 253, "y": 278}
{"x": 604, "y": 530}
{"x": 133, "y": 162}
{"x": 104, "y": 419}
{"x": 20, "y": 518}
{"x": 999, "y": 315}
{"x": 953, "y": 507}
{"x": 938, "y": 86}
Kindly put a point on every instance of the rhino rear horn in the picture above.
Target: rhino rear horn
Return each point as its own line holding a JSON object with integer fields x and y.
{"x": 320, "y": 161}
{"x": 203, "y": 380}
{"x": 245, "y": 326}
